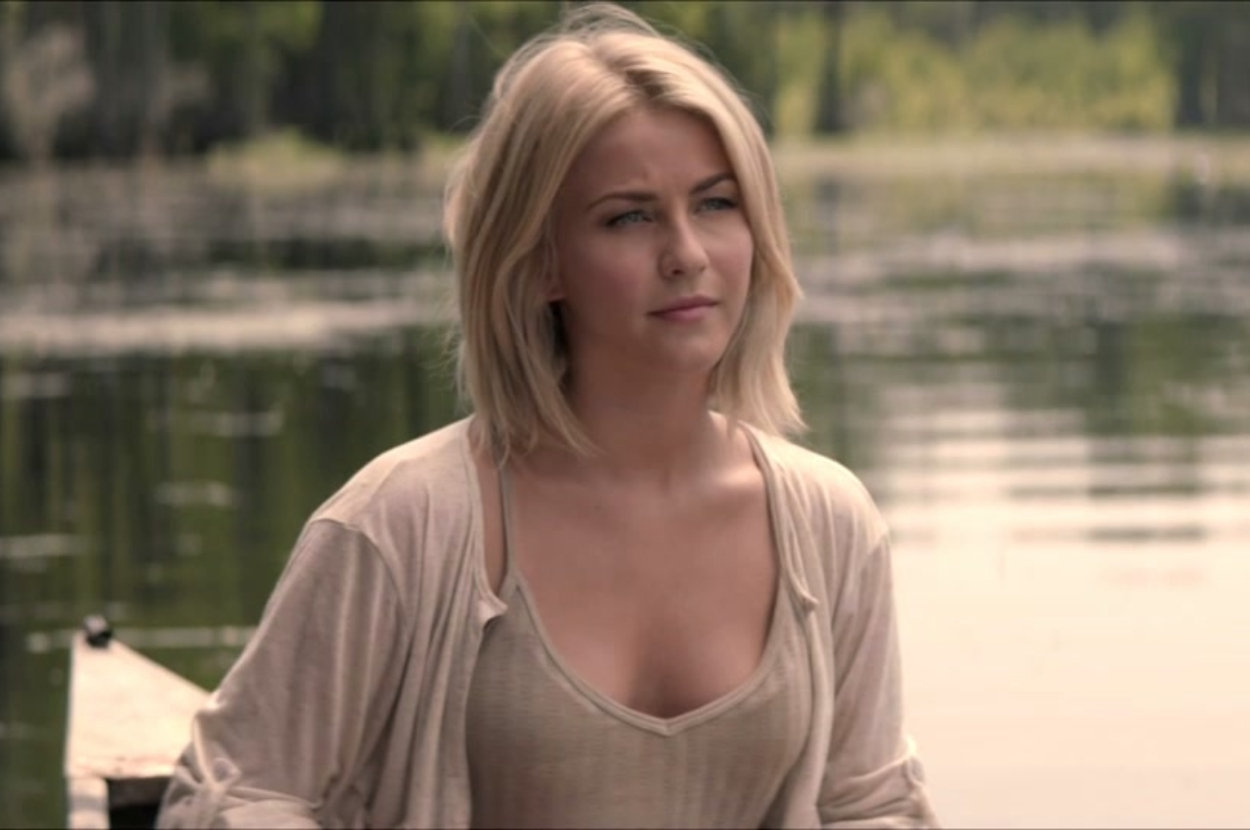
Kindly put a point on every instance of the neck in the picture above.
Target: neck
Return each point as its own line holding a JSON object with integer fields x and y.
{"x": 656, "y": 431}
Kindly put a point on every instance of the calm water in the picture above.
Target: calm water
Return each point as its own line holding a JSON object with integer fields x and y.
{"x": 1045, "y": 380}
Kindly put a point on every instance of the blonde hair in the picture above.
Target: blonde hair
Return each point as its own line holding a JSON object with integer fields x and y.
{"x": 549, "y": 100}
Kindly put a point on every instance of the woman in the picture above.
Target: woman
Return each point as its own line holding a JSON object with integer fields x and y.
{"x": 615, "y": 595}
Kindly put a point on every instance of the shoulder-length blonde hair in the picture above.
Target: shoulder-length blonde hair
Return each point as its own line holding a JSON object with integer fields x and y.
{"x": 549, "y": 99}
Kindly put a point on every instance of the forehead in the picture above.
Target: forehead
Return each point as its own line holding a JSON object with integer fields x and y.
{"x": 652, "y": 147}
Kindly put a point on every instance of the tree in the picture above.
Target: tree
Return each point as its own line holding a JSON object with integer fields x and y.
{"x": 829, "y": 115}
{"x": 45, "y": 78}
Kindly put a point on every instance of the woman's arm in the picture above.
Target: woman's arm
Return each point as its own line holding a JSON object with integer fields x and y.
{"x": 872, "y": 778}
{"x": 284, "y": 739}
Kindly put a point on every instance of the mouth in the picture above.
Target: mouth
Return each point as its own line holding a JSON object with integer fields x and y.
{"x": 686, "y": 305}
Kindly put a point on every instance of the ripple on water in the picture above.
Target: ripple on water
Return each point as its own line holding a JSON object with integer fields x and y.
{"x": 41, "y": 546}
{"x": 21, "y": 386}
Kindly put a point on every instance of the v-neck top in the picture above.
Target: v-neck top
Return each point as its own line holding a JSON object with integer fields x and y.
{"x": 348, "y": 706}
{"x": 547, "y": 749}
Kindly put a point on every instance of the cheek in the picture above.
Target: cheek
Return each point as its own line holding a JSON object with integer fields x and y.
{"x": 600, "y": 273}
{"x": 736, "y": 254}
{"x": 747, "y": 254}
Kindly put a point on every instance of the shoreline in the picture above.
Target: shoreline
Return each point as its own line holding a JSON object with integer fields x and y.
{"x": 1215, "y": 158}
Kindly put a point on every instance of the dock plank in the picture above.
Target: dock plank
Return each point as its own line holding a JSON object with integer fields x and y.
{"x": 129, "y": 718}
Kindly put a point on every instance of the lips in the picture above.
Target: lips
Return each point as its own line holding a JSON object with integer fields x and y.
{"x": 686, "y": 304}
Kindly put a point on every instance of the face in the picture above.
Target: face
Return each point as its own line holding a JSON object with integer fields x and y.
{"x": 653, "y": 248}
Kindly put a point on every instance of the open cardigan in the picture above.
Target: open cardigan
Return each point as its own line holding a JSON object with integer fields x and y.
{"x": 347, "y": 707}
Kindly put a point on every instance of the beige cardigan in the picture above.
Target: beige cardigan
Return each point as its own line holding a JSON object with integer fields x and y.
{"x": 347, "y": 707}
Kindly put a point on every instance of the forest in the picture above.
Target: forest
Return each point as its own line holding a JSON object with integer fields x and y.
{"x": 118, "y": 79}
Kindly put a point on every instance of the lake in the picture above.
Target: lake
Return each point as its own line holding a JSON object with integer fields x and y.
{"x": 1039, "y": 366}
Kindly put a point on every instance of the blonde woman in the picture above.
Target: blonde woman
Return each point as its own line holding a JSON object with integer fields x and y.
{"x": 615, "y": 595}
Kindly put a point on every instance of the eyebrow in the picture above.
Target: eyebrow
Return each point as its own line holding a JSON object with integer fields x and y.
{"x": 647, "y": 196}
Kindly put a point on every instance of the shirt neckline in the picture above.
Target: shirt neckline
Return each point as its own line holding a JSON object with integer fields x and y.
{"x": 514, "y": 583}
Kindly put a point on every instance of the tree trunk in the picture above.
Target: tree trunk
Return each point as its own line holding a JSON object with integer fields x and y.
{"x": 460, "y": 82}
{"x": 153, "y": 76}
{"x": 1189, "y": 109}
{"x": 254, "y": 86}
{"x": 829, "y": 115}
{"x": 1233, "y": 95}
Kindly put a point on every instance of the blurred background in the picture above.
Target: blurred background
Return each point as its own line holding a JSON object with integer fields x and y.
{"x": 1024, "y": 233}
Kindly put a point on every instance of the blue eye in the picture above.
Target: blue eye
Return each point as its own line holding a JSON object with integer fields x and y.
{"x": 629, "y": 218}
{"x": 719, "y": 203}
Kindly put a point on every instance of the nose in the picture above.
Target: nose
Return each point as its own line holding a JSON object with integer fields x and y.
{"x": 684, "y": 254}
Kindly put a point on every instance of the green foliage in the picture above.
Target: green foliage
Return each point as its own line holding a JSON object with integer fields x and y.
{"x": 1063, "y": 76}
{"x": 290, "y": 24}
{"x": 374, "y": 68}
{"x": 898, "y": 78}
{"x": 245, "y": 46}
{"x": 1012, "y": 75}
{"x": 282, "y": 159}
{"x": 370, "y": 75}
{"x": 803, "y": 47}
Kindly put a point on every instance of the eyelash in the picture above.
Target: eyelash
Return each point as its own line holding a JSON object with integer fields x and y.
{"x": 718, "y": 203}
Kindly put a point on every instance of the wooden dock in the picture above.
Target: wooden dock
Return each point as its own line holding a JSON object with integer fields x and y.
{"x": 129, "y": 719}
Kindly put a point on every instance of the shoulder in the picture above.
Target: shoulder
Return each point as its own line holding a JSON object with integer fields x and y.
{"x": 419, "y": 491}
{"x": 824, "y": 491}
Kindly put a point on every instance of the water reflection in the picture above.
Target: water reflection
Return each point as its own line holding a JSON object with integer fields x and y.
{"x": 1044, "y": 380}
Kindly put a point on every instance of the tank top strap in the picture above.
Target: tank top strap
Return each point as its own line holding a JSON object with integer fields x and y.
{"x": 508, "y": 583}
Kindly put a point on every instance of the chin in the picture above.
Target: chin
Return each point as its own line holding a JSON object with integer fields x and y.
{"x": 691, "y": 361}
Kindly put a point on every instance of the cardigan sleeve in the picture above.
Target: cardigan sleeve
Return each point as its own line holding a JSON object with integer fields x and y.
{"x": 872, "y": 776}
{"x": 286, "y": 738}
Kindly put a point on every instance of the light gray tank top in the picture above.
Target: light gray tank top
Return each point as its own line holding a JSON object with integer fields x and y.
{"x": 546, "y": 749}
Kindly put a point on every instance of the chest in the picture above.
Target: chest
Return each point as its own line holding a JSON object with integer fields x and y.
{"x": 662, "y": 608}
